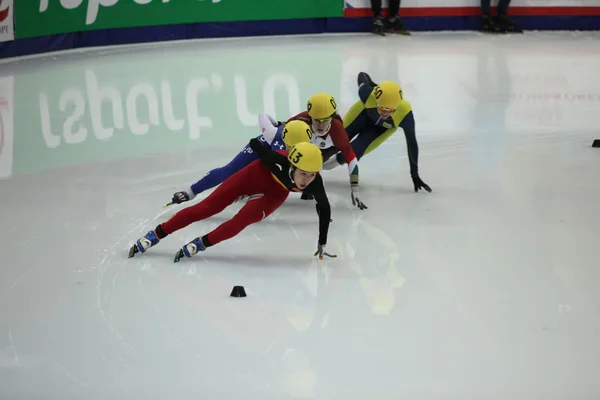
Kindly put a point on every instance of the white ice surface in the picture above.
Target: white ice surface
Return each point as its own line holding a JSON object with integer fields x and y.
{"x": 485, "y": 289}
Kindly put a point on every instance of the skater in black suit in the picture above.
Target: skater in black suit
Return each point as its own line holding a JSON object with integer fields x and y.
{"x": 498, "y": 23}
{"x": 394, "y": 24}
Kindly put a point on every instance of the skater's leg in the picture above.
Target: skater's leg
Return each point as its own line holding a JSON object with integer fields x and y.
{"x": 502, "y": 8}
{"x": 256, "y": 209}
{"x": 362, "y": 142}
{"x": 219, "y": 175}
{"x": 251, "y": 180}
{"x": 376, "y": 7}
{"x": 356, "y": 118}
{"x": 328, "y": 153}
{"x": 395, "y": 23}
{"x": 502, "y": 17}
{"x": 356, "y": 121}
{"x": 231, "y": 189}
{"x": 364, "y": 79}
{"x": 377, "y": 17}
{"x": 488, "y": 22}
{"x": 376, "y": 140}
{"x": 485, "y": 7}
{"x": 394, "y": 7}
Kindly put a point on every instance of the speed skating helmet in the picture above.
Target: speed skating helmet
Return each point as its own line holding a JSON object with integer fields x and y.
{"x": 306, "y": 156}
{"x": 388, "y": 95}
{"x": 295, "y": 132}
{"x": 321, "y": 106}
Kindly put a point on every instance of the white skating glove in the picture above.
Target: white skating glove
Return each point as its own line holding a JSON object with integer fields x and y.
{"x": 321, "y": 252}
{"x": 183, "y": 196}
{"x": 273, "y": 121}
{"x": 331, "y": 164}
{"x": 266, "y": 127}
{"x": 356, "y": 199}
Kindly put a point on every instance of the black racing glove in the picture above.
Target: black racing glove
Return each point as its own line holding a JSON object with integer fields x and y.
{"x": 321, "y": 252}
{"x": 182, "y": 197}
{"x": 419, "y": 184}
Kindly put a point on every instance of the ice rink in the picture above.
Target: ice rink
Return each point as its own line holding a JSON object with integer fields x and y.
{"x": 486, "y": 288}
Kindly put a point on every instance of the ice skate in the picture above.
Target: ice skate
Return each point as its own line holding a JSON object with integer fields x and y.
{"x": 397, "y": 26}
{"x": 490, "y": 24}
{"x": 363, "y": 77}
{"x": 190, "y": 249}
{"x": 144, "y": 243}
{"x": 506, "y": 25}
{"x": 378, "y": 27}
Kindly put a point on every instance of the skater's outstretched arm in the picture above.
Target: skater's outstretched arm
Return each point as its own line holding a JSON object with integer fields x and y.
{"x": 323, "y": 207}
{"x": 412, "y": 147}
{"x": 317, "y": 189}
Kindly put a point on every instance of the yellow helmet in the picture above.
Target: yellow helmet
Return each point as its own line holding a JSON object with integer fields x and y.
{"x": 306, "y": 156}
{"x": 388, "y": 94}
{"x": 321, "y": 106}
{"x": 295, "y": 132}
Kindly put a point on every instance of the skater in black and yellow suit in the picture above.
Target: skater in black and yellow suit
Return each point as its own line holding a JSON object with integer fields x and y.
{"x": 379, "y": 112}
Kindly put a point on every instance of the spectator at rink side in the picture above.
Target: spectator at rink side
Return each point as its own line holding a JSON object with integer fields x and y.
{"x": 498, "y": 23}
{"x": 394, "y": 24}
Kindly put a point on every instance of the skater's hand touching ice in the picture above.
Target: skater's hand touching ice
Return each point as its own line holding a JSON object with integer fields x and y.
{"x": 321, "y": 252}
{"x": 356, "y": 198}
{"x": 419, "y": 184}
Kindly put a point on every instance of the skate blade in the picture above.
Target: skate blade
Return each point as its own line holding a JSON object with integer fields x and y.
{"x": 178, "y": 256}
{"x": 405, "y": 33}
{"x": 134, "y": 249}
{"x": 493, "y": 31}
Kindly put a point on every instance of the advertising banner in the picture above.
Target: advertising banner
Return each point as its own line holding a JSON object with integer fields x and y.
{"x": 6, "y": 126}
{"x": 7, "y": 26}
{"x": 45, "y": 17}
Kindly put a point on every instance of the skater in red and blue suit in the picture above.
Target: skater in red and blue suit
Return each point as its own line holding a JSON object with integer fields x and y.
{"x": 273, "y": 137}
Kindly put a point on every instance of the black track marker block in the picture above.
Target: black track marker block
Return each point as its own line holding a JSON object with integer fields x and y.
{"x": 238, "y": 291}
